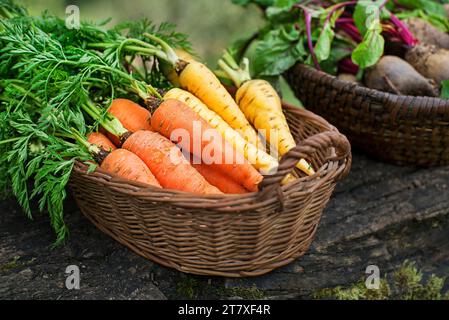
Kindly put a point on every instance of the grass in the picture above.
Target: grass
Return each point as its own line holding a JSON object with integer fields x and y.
{"x": 190, "y": 287}
{"x": 251, "y": 293}
{"x": 13, "y": 264}
{"x": 407, "y": 283}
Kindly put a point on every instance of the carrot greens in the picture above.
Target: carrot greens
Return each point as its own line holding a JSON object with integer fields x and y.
{"x": 54, "y": 89}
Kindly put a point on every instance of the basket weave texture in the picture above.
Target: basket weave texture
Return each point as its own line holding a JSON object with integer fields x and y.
{"x": 223, "y": 235}
{"x": 403, "y": 130}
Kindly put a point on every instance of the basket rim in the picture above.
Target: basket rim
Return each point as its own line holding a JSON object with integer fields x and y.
{"x": 364, "y": 91}
{"x": 138, "y": 188}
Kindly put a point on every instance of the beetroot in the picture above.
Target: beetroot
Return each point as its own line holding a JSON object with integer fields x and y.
{"x": 430, "y": 61}
{"x": 427, "y": 33}
{"x": 392, "y": 74}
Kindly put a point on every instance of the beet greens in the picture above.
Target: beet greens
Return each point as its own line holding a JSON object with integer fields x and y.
{"x": 333, "y": 36}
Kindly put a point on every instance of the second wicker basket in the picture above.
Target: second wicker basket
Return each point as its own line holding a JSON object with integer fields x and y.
{"x": 403, "y": 130}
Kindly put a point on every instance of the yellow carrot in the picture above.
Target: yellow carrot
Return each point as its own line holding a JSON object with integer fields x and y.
{"x": 258, "y": 158}
{"x": 196, "y": 78}
{"x": 262, "y": 106}
{"x": 199, "y": 80}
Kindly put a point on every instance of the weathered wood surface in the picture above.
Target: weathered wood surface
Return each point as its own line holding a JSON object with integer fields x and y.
{"x": 381, "y": 214}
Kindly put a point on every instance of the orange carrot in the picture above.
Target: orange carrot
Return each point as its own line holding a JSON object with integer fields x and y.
{"x": 172, "y": 115}
{"x": 218, "y": 179}
{"x": 132, "y": 116}
{"x": 101, "y": 140}
{"x": 168, "y": 164}
{"x": 127, "y": 165}
{"x": 120, "y": 162}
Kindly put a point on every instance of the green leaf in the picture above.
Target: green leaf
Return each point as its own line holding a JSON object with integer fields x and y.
{"x": 262, "y": 3}
{"x": 445, "y": 89}
{"x": 323, "y": 46}
{"x": 324, "y": 43}
{"x": 428, "y": 6}
{"x": 280, "y": 9}
{"x": 371, "y": 49}
{"x": 437, "y": 21}
{"x": 240, "y": 47}
{"x": 338, "y": 53}
{"x": 441, "y": 23}
{"x": 277, "y": 52}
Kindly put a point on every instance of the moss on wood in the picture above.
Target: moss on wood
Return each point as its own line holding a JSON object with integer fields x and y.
{"x": 407, "y": 283}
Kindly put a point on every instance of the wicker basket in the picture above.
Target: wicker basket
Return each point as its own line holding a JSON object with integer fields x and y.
{"x": 403, "y": 130}
{"x": 225, "y": 235}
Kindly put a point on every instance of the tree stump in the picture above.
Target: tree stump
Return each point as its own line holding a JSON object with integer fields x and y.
{"x": 380, "y": 215}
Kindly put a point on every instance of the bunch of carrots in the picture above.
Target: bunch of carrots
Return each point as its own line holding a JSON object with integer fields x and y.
{"x": 132, "y": 104}
{"x": 201, "y": 100}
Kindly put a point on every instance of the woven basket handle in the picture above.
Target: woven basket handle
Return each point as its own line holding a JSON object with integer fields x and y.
{"x": 306, "y": 150}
